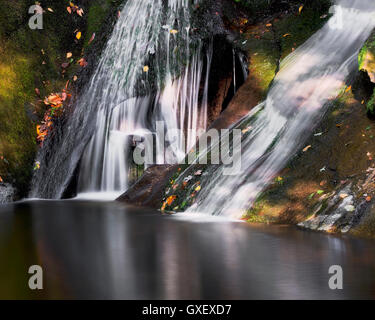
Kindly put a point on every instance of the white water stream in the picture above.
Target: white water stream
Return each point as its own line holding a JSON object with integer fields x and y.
{"x": 309, "y": 78}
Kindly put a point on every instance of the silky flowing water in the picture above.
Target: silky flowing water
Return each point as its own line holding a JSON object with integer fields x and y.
{"x": 151, "y": 70}
{"x": 309, "y": 79}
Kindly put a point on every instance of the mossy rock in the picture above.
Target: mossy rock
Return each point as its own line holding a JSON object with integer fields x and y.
{"x": 366, "y": 63}
{"x": 366, "y": 57}
{"x": 31, "y": 59}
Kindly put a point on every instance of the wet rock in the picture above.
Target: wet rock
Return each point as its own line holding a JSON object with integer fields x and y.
{"x": 7, "y": 193}
{"x": 246, "y": 98}
{"x": 148, "y": 190}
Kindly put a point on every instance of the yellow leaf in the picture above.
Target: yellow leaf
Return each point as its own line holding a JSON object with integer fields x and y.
{"x": 287, "y": 35}
{"x": 146, "y": 68}
{"x": 50, "y": 10}
{"x": 69, "y": 55}
{"x": 78, "y": 35}
{"x": 300, "y": 9}
{"x": 348, "y": 89}
{"x": 198, "y": 188}
{"x": 173, "y": 31}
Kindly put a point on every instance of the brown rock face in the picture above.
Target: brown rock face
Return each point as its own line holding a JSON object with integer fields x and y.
{"x": 148, "y": 190}
{"x": 246, "y": 98}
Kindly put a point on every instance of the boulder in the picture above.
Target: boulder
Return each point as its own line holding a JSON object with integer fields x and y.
{"x": 148, "y": 190}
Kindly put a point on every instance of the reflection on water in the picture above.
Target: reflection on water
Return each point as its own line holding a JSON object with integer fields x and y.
{"x": 105, "y": 250}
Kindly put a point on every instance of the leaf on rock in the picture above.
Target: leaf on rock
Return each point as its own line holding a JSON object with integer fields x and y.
{"x": 307, "y": 148}
{"x": 171, "y": 199}
{"x": 82, "y": 62}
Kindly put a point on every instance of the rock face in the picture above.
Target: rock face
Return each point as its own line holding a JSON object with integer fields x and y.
{"x": 148, "y": 190}
{"x": 243, "y": 27}
{"x": 7, "y": 193}
{"x": 247, "y": 97}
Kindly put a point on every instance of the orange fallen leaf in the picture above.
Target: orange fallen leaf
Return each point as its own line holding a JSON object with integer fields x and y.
{"x": 307, "y": 148}
{"x": 348, "y": 89}
{"x": 163, "y": 206}
{"x": 287, "y": 35}
{"x": 368, "y": 199}
{"x": 79, "y": 35}
{"x": 69, "y": 10}
{"x": 269, "y": 25}
{"x": 323, "y": 183}
{"x": 82, "y": 62}
{"x": 1, "y": 179}
{"x": 171, "y": 199}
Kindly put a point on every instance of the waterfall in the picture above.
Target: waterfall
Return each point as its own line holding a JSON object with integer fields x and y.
{"x": 150, "y": 70}
{"x": 309, "y": 78}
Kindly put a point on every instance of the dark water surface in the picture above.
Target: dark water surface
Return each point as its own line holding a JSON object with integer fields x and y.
{"x": 109, "y": 251}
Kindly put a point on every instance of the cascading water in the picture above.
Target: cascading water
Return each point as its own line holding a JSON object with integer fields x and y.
{"x": 308, "y": 79}
{"x": 150, "y": 70}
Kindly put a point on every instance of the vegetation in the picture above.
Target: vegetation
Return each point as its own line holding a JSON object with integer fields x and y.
{"x": 34, "y": 64}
